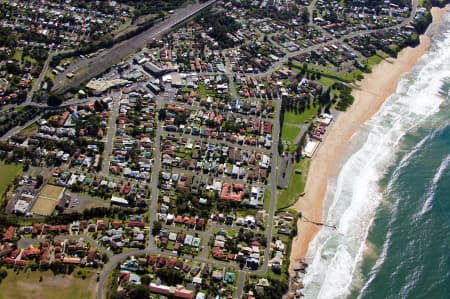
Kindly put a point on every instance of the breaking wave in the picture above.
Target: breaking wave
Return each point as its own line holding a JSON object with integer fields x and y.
{"x": 352, "y": 201}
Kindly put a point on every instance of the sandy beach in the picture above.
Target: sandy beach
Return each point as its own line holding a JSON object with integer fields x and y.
{"x": 370, "y": 93}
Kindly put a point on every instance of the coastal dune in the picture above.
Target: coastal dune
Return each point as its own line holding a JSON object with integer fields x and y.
{"x": 370, "y": 93}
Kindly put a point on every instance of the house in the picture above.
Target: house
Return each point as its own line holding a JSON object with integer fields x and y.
{"x": 139, "y": 224}
{"x": 161, "y": 262}
{"x": 9, "y": 234}
{"x": 217, "y": 275}
{"x": 71, "y": 260}
{"x": 171, "y": 263}
{"x": 231, "y": 192}
{"x": 102, "y": 224}
{"x": 178, "y": 292}
{"x": 188, "y": 240}
{"x": 152, "y": 260}
{"x": 230, "y": 277}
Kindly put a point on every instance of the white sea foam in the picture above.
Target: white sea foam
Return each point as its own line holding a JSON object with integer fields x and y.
{"x": 408, "y": 157}
{"x": 334, "y": 255}
{"x": 378, "y": 263}
{"x": 434, "y": 183}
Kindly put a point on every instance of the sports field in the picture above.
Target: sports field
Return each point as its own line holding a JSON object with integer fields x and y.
{"x": 28, "y": 286}
{"x": 48, "y": 198}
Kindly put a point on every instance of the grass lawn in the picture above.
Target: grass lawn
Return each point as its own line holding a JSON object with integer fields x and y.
{"x": 202, "y": 90}
{"x": 18, "y": 55}
{"x": 373, "y": 60}
{"x": 19, "y": 108}
{"x": 26, "y": 285}
{"x": 376, "y": 59}
{"x": 29, "y": 131}
{"x": 288, "y": 135}
{"x": 267, "y": 197}
{"x": 300, "y": 118}
{"x": 9, "y": 172}
{"x": 327, "y": 82}
{"x": 288, "y": 197}
{"x": 30, "y": 59}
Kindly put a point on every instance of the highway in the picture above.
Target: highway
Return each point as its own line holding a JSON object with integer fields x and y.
{"x": 89, "y": 68}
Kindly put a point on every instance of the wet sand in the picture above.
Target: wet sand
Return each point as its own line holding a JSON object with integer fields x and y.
{"x": 370, "y": 94}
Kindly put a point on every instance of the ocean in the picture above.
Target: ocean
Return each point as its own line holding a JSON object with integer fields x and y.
{"x": 391, "y": 198}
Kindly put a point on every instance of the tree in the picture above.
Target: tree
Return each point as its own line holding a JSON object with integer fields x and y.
{"x": 118, "y": 295}
{"x": 157, "y": 226}
{"x": 54, "y": 100}
{"x": 13, "y": 68}
{"x": 170, "y": 276}
{"x": 39, "y": 180}
{"x": 145, "y": 280}
{"x": 3, "y": 274}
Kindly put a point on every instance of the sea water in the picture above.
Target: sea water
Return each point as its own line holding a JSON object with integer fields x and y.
{"x": 391, "y": 198}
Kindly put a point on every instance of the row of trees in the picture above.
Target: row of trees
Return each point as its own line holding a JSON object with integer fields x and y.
{"x": 221, "y": 24}
{"x": 17, "y": 118}
{"x": 87, "y": 214}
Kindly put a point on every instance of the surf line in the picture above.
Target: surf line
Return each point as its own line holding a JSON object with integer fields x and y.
{"x": 300, "y": 215}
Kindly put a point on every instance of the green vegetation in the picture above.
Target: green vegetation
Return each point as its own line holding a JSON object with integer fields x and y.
{"x": 288, "y": 135}
{"x": 300, "y": 118}
{"x": 221, "y": 25}
{"x": 29, "y": 131}
{"x": 297, "y": 183}
{"x": 202, "y": 90}
{"x": 9, "y": 172}
{"x": 18, "y": 55}
{"x": 373, "y": 60}
{"x": 345, "y": 98}
{"x": 267, "y": 198}
{"x": 29, "y": 285}
{"x": 327, "y": 82}
{"x": 352, "y": 76}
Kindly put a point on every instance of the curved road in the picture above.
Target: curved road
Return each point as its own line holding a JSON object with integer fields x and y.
{"x": 116, "y": 53}
{"x": 150, "y": 250}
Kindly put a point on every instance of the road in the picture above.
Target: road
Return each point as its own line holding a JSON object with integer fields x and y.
{"x": 241, "y": 284}
{"x": 17, "y": 129}
{"x": 89, "y": 68}
{"x": 274, "y": 66}
{"x": 155, "y": 176}
{"x": 38, "y": 81}
{"x": 112, "y": 128}
{"x": 87, "y": 238}
{"x": 116, "y": 54}
{"x": 272, "y": 185}
{"x": 44, "y": 107}
{"x": 285, "y": 58}
{"x": 311, "y": 8}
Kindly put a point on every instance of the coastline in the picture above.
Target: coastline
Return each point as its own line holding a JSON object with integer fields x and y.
{"x": 370, "y": 94}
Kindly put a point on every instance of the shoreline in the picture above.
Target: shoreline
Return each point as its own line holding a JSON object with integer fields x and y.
{"x": 370, "y": 94}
